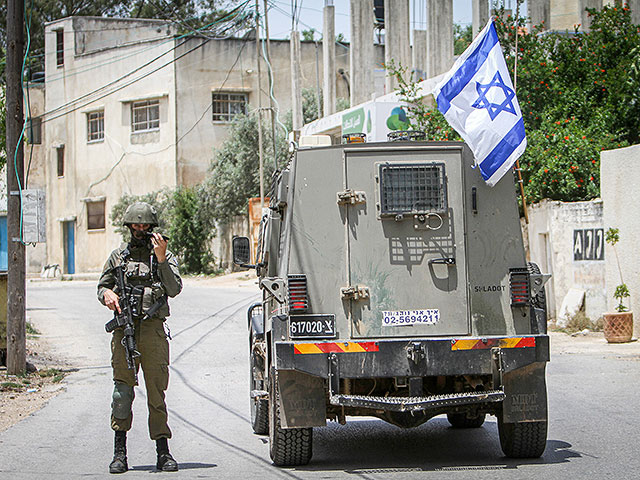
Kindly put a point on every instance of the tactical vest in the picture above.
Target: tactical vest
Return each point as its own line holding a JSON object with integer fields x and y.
{"x": 141, "y": 270}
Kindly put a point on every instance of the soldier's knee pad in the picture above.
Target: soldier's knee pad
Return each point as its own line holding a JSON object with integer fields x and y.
{"x": 122, "y": 400}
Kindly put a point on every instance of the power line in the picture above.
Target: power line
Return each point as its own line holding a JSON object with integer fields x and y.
{"x": 113, "y": 82}
{"x": 71, "y": 72}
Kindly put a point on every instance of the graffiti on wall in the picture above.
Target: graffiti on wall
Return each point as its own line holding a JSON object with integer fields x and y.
{"x": 588, "y": 244}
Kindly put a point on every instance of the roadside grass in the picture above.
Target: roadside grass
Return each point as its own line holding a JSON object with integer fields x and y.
{"x": 578, "y": 323}
{"x": 57, "y": 374}
{"x": 25, "y": 380}
{"x": 31, "y": 330}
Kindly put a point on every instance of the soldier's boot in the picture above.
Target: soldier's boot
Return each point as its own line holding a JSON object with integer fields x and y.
{"x": 166, "y": 462}
{"x": 119, "y": 462}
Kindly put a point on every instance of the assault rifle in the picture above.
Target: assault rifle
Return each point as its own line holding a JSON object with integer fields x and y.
{"x": 130, "y": 300}
{"x": 124, "y": 319}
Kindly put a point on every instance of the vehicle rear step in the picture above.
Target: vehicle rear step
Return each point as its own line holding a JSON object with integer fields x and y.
{"x": 403, "y": 404}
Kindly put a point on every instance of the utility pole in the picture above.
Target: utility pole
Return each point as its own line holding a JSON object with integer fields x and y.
{"x": 16, "y": 339}
{"x": 273, "y": 111}
{"x": 328, "y": 59}
{"x": 260, "y": 153}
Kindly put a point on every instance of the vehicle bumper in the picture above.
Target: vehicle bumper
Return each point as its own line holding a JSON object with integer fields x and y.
{"x": 413, "y": 357}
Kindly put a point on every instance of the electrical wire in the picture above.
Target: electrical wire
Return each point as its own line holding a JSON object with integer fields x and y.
{"x": 277, "y": 109}
{"x": 125, "y": 154}
{"x": 168, "y": 38}
{"x": 24, "y": 126}
{"x": 47, "y": 115}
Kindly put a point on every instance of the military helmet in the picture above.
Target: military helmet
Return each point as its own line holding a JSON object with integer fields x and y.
{"x": 140, "y": 212}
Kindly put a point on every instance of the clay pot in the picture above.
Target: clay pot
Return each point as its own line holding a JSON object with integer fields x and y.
{"x": 618, "y": 327}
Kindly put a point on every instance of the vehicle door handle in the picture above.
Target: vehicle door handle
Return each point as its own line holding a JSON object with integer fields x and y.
{"x": 443, "y": 261}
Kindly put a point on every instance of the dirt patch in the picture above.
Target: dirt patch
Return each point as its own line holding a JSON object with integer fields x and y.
{"x": 22, "y": 395}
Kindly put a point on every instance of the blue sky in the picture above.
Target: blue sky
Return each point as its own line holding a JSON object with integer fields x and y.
{"x": 310, "y": 15}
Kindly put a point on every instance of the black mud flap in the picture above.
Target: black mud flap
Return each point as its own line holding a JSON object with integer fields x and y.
{"x": 525, "y": 394}
{"x": 302, "y": 400}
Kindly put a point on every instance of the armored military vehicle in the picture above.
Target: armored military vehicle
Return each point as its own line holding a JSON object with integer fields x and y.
{"x": 394, "y": 285}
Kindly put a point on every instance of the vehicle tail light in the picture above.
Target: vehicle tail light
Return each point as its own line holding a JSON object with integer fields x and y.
{"x": 520, "y": 288}
{"x": 298, "y": 299}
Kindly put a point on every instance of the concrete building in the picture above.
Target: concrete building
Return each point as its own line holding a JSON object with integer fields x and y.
{"x": 620, "y": 184}
{"x": 129, "y": 107}
{"x": 566, "y": 14}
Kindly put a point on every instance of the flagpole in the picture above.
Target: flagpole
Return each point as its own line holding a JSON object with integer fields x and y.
{"x": 515, "y": 88}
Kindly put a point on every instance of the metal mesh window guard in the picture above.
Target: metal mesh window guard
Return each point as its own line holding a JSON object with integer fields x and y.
{"x": 412, "y": 188}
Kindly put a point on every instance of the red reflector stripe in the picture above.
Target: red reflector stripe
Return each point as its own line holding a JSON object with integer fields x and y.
{"x": 484, "y": 344}
{"x": 335, "y": 347}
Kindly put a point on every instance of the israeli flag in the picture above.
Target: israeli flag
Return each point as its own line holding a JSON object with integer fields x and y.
{"x": 477, "y": 98}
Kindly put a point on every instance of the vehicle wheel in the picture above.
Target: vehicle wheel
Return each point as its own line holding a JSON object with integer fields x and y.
{"x": 522, "y": 440}
{"x": 259, "y": 406}
{"x": 460, "y": 420}
{"x": 538, "y": 302}
{"x": 287, "y": 447}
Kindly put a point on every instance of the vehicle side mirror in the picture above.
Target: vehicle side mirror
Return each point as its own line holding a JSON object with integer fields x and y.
{"x": 241, "y": 251}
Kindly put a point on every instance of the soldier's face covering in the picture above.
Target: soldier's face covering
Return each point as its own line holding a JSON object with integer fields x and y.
{"x": 138, "y": 233}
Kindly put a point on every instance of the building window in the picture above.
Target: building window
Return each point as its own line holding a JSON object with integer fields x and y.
{"x": 35, "y": 131}
{"x": 145, "y": 115}
{"x": 60, "y": 155}
{"x": 228, "y": 105}
{"x": 95, "y": 215}
{"x": 59, "y": 48}
{"x": 95, "y": 126}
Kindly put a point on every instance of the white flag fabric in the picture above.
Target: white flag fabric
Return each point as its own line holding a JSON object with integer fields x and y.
{"x": 478, "y": 100}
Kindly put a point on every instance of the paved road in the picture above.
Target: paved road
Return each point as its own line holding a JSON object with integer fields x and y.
{"x": 593, "y": 396}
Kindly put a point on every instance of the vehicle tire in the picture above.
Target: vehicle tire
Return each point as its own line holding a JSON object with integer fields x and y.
{"x": 522, "y": 440}
{"x": 259, "y": 406}
{"x": 460, "y": 420}
{"x": 287, "y": 447}
{"x": 538, "y": 302}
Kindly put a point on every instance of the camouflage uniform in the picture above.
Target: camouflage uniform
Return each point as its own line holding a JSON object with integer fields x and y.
{"x": 150, "y": 337}
{"x": 158, "y": 281}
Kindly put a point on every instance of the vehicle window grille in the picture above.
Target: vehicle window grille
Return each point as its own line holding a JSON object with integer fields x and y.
{"x": 412, "y": 188}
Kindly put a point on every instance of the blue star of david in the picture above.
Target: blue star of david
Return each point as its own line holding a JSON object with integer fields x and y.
{"x": 494, "y": 109}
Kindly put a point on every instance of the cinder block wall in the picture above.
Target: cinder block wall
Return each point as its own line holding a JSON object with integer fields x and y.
{"x": 620, "y": 190}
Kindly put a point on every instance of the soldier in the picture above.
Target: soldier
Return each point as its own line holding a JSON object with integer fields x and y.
{"x": 148, "y": 265}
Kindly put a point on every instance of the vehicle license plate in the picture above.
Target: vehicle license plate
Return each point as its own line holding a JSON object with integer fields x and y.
{"x": 428, "y": 316}
{"x": 305, "y": 326}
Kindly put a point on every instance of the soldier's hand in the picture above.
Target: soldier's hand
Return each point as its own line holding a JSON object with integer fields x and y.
{"x": 111, "y": 300}
{"x": 159, "y": 246}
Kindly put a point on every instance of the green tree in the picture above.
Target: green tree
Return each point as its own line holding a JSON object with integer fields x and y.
{"x": 183, "y": 216}
{"x": 308, "y": 35}
{"x": 234, "y": 174}
{"x": 579, "y": 95}
{"x": 462, "y": 37}
{"x": 191, "y": 228}
{"x": 421, "y": 116}
{"x": 309, "y": 108}
{"x": 161, "y": 199}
